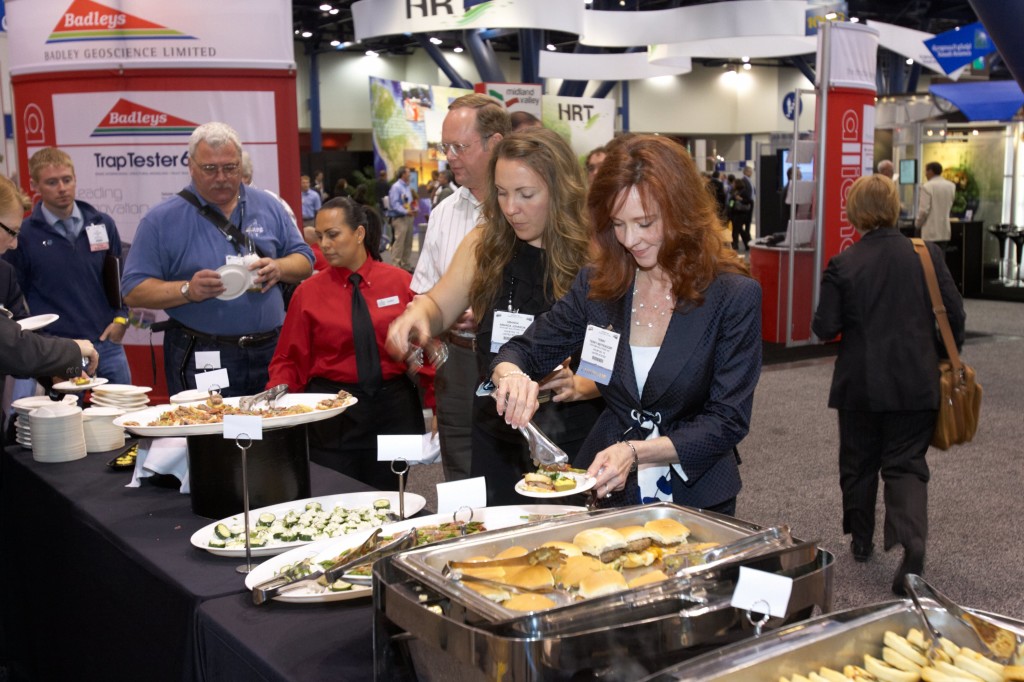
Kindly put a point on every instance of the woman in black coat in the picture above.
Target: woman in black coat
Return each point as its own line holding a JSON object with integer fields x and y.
{"x": 886, "y": 380}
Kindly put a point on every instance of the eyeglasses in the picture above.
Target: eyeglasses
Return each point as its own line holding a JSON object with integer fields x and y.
{"x": 14, "y": 233}
{"x": 211, "y": 170}
{"x": 454, "y": 149}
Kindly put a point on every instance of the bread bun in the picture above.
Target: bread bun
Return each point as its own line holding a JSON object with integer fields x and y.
{"x": 529, "y": 602}
{"x": 488, "y": 572}
{"x": 637, "y": 538}
{"x": 604, "y": 543}
{"x": 512, "y": 552}
{"x": 567, "y": 548}
{"x": 648, "y": 579}
{"x": 1014, "y": 673}
{"x": 637, "y": 559}
{"x": 576, "y": 568}
{"x": 530, "y": 577}
{"x": 667, "y": 531}
{"x": 601, "y": 583}
{"x": 538, "y": 483}
{"x": 492, "y": 592}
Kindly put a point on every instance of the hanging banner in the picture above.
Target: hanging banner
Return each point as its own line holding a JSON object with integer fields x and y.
{"x": 961, "y": 46}
{"x": 62, "y": 35}
{"x": 523, "y": 97}
{"x": 584, "y": 122}
{"x": 377, "y": 18}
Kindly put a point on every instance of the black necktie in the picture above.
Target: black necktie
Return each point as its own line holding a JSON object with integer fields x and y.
{"x": 367, "y": 357}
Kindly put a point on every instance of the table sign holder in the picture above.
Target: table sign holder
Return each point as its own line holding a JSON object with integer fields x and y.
{"x": 247, "y": 568}
{"x": 400, "y": 467}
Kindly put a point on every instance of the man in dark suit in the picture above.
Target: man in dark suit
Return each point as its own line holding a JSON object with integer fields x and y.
{"x": 886, "y": 384}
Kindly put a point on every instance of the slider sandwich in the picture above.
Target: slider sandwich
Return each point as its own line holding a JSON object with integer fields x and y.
{"x": 667, "y": 532}
{"x": 607, "y": 544}
{"x": 552, "y": 482}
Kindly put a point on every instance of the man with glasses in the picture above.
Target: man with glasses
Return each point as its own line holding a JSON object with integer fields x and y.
{"x": 183, "y": 246}
{"x": 64, "y": 244}
{"x": 473, "y": 125}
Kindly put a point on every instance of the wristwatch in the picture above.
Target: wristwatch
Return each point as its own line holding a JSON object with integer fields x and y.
{"x": 184, "y": 292}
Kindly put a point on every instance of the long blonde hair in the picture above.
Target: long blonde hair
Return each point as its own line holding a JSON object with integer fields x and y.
{"x": 565, "y": 234}
{"x": 11, "y": 196}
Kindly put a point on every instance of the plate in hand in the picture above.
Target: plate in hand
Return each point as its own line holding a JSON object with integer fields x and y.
{"x": 583, "y": 484}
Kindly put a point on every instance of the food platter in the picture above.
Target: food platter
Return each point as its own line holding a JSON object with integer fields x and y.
{"x": 30, "y": 324}
{"x": 72, "y": 387}
{"x": 583, "y": 484}
{"x": 201, "y": 538}
{"x": 152, "y": 414}
{"x": 493, "y": 518}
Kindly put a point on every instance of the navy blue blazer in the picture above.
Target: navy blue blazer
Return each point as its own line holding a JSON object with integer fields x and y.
{"x": 700, "y": 390}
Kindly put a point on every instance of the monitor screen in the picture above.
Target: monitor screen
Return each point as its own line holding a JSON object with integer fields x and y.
{"x": 908, "y": 171}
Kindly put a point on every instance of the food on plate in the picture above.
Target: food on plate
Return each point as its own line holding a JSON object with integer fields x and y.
{"x": 905, "y": 659}
{"x": 81, "y": 381}
{"x": 339, "y": 400}
{"x": 637, "y": 538}
{"x": 528, "y": 602}
{"x": 667, "y": 532}
{"x": 546, "y": 480}
{"x": 205, "y": 413}
{"x": 601, "y": 583}
{"x": 301, "y": 524}
{"x": 127, "y": 458}
{"x": 576, "y": 568}
{"x": 607, "y": 544}
{"x": 648, "y": 579}
{"x": 566, "y": 548}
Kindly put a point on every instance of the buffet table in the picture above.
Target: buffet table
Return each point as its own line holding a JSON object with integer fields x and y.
{"x": 102, "y": 580}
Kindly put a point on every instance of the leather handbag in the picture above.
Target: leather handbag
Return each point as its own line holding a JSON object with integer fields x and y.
{"x": 960, "y": 404}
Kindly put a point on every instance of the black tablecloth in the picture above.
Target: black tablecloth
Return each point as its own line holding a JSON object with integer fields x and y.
{"x": 277, "y": 641}
{"x": 101, "y": 581}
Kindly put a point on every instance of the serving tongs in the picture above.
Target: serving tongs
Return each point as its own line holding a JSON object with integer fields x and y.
{"x": 366, "y": 553}
{"x": 542, "y": 449}
{"x": 246, "y": 403}
{"x": 547, "y": 556}
{"x": 761, "y": 542}
{"x": 1002, "y": 640}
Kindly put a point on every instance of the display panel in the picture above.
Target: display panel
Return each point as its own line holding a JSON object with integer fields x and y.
{"x": 908, "y": 171}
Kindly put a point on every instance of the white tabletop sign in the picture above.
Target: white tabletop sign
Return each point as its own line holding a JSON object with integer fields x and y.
{"x": 207, "y": 359}
{"x": 236, "y": 425}
{"x": 758, "y": 591}
{"x": 404, "y": 446}
{"x": 471, "y": 492}
{"x": 218, "y": 377}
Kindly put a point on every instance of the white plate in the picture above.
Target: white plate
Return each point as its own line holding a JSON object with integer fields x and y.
{"x": 494, "y": 518}
{"x": 71, "y": 387}
{"x": 236, "y": 280}
{"x": 192, "y": 395}
{"x": 583, "y": 484}
{"x": 126, "y": 390}
{"x": 151, "y": 414}
{"x": 135, "y": 404}
{"x": 26, "y": 405}
{"x": 35, "y": 322}
{"x": 201, "y": 538}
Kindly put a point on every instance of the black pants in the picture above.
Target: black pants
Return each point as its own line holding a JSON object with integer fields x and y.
{"x": 893, "y": 444}
{"x": 348, "y": 443}
{"x": 741, "y": 229}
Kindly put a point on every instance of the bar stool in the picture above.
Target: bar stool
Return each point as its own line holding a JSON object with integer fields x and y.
{"x": 1001, "y": 233}
{"x": 1017, "y": 237}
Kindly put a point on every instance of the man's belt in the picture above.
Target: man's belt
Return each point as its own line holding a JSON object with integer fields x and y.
{"x": 243, "y": 341}
{"x": 467, "y": 342}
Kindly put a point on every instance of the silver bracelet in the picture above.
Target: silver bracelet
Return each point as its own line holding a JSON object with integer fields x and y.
{"x": 636, "y": 457}
{"x": 513, "y": 373}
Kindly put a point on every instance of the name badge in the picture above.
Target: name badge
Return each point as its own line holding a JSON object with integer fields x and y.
{"x": 234, "y": 260}
{"x": 98, "y": 240}
{"x": 385, "y": 302}
{"x": 598, "y": 358}
{"x": 507, "y": 325}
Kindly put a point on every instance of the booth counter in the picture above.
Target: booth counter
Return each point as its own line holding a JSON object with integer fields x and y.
{"x": 769, "y": 265}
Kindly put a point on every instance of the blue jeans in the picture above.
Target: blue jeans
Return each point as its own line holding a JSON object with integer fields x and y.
{"x": 113, "y": 362}
{"x": 247, "y": 367}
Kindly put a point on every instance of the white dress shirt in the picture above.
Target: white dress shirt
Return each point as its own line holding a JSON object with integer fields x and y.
{"x": 449, "y": 223}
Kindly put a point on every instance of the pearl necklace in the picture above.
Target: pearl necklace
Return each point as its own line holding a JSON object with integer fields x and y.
{"x": 640, "y": 307}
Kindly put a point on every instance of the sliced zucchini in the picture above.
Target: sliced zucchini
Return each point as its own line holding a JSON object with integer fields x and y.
{"x": 258, "y": 541}
{"x": 307, "y": 534}
{"x": 382, "y": 503}
{"x": 314, "y": 506}
{"x": 217, "y": 543}
{"x": 289, "y": 535}
{"x": 222, "y": 531}
{"x": 266, "y": 519}
{"x": 340, "y": 586}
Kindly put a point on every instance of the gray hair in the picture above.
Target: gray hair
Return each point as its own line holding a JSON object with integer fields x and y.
{"x": 215, "y": 134}
{"x": 246, "y": 167}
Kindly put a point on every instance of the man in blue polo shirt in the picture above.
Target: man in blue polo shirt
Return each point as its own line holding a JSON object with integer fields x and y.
{"x": 311, "y": 202}
{"x": 174, "y": 261}
{"x": 63, "y": 245}
{"x": 401, "y": 211}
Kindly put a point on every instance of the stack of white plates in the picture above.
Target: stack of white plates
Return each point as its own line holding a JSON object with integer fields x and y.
{"x": 122, "y": 396}
{"x": 57, "y": 433}
{"x": 25, "y": 405}
{"x": 100, "y": 433}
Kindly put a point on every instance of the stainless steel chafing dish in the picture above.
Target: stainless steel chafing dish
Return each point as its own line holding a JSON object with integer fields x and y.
{"x": 833, "y": 640}
{"x": 430, "y": 627}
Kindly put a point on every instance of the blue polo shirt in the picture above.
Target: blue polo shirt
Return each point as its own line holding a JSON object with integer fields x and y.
{"x": 173, "y": 242}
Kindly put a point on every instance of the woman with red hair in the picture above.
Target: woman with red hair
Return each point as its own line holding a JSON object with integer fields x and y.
{"x": 680, "y": 321}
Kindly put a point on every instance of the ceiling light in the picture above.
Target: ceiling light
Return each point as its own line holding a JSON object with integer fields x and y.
{"x": 588, "y": 2}
{"x": 552, "y": 48}
{"x": 335, "y": 43}
{"x": 435, "y": 41}
{"x": 745, "y": 59}
{"x": 930, "y": 133}
{"x": 333, "y": 11}
{"x": 307, "y": 34}
{"x": 974, "y": 132}
{"x": 371, "y": 53}
{"x": 458, "y": 49}
{"x": 831, "y": 16}
{"x": 910, "y": 62}
{"x": 746, "y": 67}
{"x": 854, "y": 20}
{"x": 296, "y": 31}
{"x": 325, "y": 7}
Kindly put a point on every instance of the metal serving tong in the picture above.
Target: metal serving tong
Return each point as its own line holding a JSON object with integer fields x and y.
{"x": 366, "y": 553}
{"x": 750, "y": 545}
{"x": 548, "y": 556}
{"x": 1002, "y": 640}
{"x": 246, "y": 403}
{"x": 542, "y": 448}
